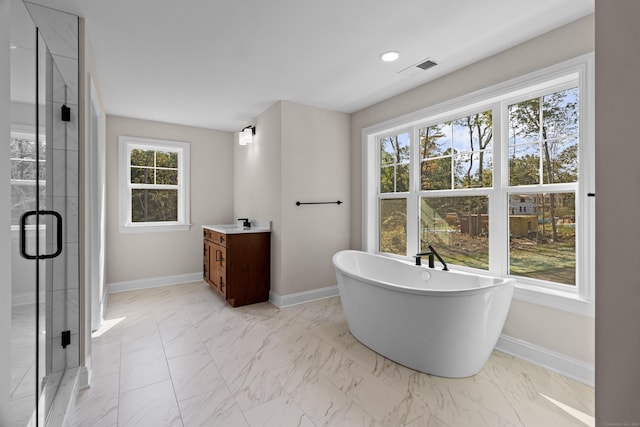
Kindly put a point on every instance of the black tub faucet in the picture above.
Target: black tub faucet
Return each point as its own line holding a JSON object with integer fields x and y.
{"x": 419, "y": 256}
{"x": 432, "y": 253}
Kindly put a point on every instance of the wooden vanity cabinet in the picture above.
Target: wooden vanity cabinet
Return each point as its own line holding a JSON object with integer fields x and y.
{"x": 237, "y": 266}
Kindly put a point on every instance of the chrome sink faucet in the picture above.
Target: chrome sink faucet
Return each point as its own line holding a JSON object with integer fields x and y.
{"x": 432, "y": 253}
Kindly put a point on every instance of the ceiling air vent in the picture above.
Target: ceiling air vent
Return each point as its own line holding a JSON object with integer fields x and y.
{"x": 417, "y": 69}
{"x": 426, "y": 64}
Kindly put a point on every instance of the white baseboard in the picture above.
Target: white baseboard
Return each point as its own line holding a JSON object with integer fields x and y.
{"x": 557, "y": 362}
{"x": 84, "y": 375}
{"x": 282, "y": 301}
{"x": 64, "y": 402}
{"x": 155, "y": 282}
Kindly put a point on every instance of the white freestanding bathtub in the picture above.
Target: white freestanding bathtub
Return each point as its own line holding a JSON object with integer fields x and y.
{"x": 444, "y": 323}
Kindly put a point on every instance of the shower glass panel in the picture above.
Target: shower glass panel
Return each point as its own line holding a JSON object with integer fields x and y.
{"x": 44, "y": 207}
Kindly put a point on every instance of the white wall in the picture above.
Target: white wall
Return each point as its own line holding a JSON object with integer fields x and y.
{"x": 315, "y": 168}
{"x": 569, "y": 334}
{"x": 257, "y": 181}
{"x": 89, "y": 71}
{"x": 136, "y": 256}
{"x": 617, "y": 207}
{"x": 5, "y": 236}
{"x": 95, "y": 171}
{"x": 301, "y": 153}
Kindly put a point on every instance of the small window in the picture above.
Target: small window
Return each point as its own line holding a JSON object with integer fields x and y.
{"x": 154, "y": 187}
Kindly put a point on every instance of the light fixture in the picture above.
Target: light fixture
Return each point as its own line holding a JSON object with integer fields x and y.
{"x": 246, "y": 135}
{"x": 389, "y": 56}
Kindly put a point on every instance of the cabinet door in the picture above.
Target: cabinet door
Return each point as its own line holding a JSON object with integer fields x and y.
{"x": 205, "y": 261}
{"x": 218, "y": 257}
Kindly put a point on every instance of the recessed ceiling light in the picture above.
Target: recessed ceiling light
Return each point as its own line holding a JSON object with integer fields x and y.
{"x": 389, "y": 56}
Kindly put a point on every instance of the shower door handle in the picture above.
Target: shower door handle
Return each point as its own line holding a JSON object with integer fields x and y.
{"x": 23, "y": 234}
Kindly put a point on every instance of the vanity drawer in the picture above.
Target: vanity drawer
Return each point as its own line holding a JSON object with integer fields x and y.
{"x": 215, "y": 237}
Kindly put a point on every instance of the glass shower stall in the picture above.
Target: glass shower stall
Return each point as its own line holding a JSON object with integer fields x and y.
{"x": 44, "y": 147}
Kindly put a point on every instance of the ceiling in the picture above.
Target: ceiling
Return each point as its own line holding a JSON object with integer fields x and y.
{"x": 219, "y": 63}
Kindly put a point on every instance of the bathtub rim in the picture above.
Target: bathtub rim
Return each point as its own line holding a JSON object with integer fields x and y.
{"x": 430, "y": 292}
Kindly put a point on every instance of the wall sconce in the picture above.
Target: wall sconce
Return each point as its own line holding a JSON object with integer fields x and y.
{"x": 246, "y": 135}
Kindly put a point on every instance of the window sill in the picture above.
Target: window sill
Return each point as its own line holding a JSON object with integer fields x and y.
{"x": 154, "y": 228}
{"x": 569, "y": 302}
{"x": 559, "y": 300}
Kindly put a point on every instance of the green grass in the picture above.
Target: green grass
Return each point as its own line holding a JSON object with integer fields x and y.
{"x": 550, "y": 261}
{"x": 555, "y": 262}
{"x": 468, "y": 259}
{"x": 461, "y": 249}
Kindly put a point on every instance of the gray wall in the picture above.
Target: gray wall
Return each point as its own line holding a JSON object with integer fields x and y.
{"x": 617, "y": 207}
{"x": 559, "y": 331}
{"x": 136, "y": 256}
{"x": 5, "y": 236}
{"x": 301, "y": 153}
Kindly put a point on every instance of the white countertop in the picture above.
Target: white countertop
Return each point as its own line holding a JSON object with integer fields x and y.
{"x": 257, "y": 226}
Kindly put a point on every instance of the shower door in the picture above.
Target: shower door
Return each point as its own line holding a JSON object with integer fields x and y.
{"x": 44, "y": 208}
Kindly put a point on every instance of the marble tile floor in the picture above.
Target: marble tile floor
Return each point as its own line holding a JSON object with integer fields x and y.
{"x": 180, "y": 356}
{"x": 23, "y": 368}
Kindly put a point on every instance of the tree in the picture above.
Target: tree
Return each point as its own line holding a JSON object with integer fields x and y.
{"x": 524, "y": 170}
{"x": 436, "y": 158}
{"x": 154, "y": 168}
{"x": 480, "y": 130}
{"x": 394, "y": 160}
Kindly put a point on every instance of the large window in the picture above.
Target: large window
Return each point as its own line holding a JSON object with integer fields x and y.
{"x": 496, "y": 181}
{"x": 456, "y": 155}
{"x": 543, "y": 144}
{"x": 154, "y": 184}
